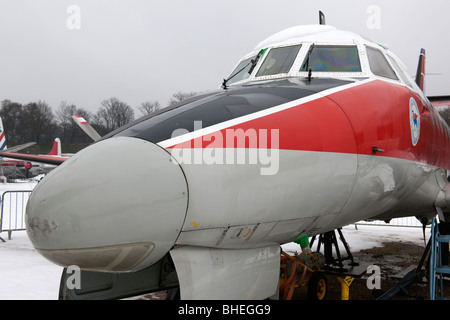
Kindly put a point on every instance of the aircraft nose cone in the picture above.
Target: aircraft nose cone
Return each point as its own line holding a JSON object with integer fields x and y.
{"x": 117, "y": 205}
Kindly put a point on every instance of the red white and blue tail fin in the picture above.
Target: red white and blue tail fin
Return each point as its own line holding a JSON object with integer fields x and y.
{"x": 420, "y": 74}
{"x": 2, "y": 137}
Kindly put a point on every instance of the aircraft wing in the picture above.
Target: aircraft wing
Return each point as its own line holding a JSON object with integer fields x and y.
{"x": 439, "y": 101}
{"x": 20, "y": 147}
{"x": 35, "y": 158}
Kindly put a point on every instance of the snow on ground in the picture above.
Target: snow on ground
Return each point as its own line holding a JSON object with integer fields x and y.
{"x": 26, "y": 185}
{"x": 24, "y": 273}
{"x": 370, "y": 236}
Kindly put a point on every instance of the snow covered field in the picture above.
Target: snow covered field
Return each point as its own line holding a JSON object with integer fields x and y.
{"x": 25, "y": 275}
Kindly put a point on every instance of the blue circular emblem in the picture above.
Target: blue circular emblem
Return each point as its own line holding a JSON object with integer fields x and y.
{"x": 414, "y": 121}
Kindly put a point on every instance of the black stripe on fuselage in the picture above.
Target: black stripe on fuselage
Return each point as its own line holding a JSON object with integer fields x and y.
{"x": 223, "y": 105}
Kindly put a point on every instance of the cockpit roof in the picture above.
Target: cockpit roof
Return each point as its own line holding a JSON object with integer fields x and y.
{"x": 321, "y": 50}
{"x": 308, "y": 33}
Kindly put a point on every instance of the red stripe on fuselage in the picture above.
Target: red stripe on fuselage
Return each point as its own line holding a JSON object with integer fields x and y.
{"x": 379, "y": 113}
{"x": 11, "y": 163}
{"x": 318, "y": 125}
{"x": 354, "y": 120}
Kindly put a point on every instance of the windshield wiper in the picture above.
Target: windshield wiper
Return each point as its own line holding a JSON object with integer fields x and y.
{"x": 306, "y": 63}
{"x": 253, "y": 62}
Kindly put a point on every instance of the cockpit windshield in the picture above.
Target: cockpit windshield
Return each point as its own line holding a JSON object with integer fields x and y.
{"x": 278, "y": 60}
{"x": 333, "y": 58}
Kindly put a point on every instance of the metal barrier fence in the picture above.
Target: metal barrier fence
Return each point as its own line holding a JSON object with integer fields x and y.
{"x": 12, "y": 214}
{"x": 397, "y": 222}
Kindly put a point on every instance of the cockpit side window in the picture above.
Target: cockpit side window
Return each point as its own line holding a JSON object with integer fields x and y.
{"x": 400, "y": 72}
{"x": 379, "y": 65}
{"x": 333, "y": 58}
{"x": 278, "y": 60}
{"x": 241, "y": 72}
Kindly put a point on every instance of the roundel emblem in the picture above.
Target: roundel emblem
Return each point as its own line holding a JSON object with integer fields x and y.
{"x": 414, "y": 121}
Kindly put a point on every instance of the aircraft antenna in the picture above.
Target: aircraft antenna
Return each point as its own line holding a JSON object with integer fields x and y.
{"x": 321, "y": 18}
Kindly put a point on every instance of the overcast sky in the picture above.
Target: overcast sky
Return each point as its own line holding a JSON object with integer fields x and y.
{"x": 85, "y": 51}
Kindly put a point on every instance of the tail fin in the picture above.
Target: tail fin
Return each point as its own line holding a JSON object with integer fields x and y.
{"x": 2, "y": 137}
{"x": 420, "y": 75}
{"x": 56, "y": 149}
{"x": 86, "y": 127}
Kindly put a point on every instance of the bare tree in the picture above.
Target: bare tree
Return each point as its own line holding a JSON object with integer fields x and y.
{"x": 10, "y": 112}
{"x": 113, "y": 114}
{"x": 180, "y": 96}
{"x": 37, "y": 122}
{"x": 148, "y": 107}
